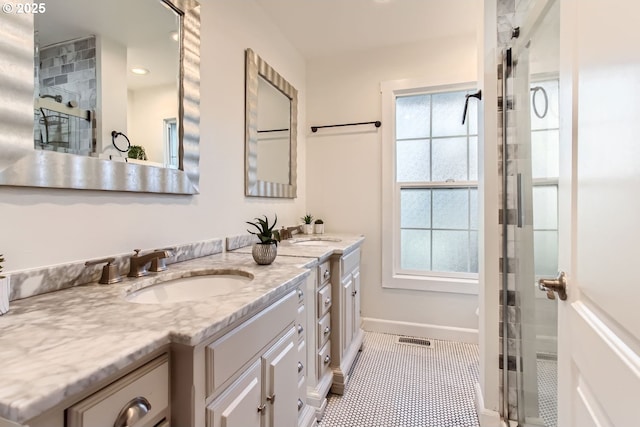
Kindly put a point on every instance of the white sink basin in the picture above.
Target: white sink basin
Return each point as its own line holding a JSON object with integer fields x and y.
{"x": 189, "y": 289}
{"x": 315, "y": 241}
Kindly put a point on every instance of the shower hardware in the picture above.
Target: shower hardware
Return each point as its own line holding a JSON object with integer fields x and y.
{"x": 535, "y": 91}
{"x": 477, "y": 95}
{"x": 57, "y": 98}
{"x": 558, "y": 285}
{"x": 377, "y": 124}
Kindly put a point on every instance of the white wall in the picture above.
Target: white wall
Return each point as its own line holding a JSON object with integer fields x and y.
{"x": 111, "y": 74}
{"x": 41, "y": 227}
{"x": 148, "y": 108}
{"x": 344, "y": 167}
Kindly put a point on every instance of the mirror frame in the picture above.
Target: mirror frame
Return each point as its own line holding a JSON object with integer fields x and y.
{"x": 22, "y": 165}
{"x": 254, "y": 67}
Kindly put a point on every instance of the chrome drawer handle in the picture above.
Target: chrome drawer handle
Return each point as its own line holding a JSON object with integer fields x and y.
{"x": 300, "y": 293}
{"x": 327, "y": 301}
{"x": 261, "y": 408}
{"x": 133, "y": 412}
{"x": 354, "y": 293}
{"x": 300, "y": 367}
{"x": 326, "y": 274}
{"x": 271, "y": 398}
{"x": 327, "y": 330}
{"x": 300, "y": 329}
{"x": 300, "y": 404}
{"x": 327, "y": 359}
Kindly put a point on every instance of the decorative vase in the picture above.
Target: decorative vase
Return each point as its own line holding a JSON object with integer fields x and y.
{"x": 307, "y": 228}
{"x": 4, "y": 295}
{"x": 264, "y": 254}
{"x": 318, "y": 228}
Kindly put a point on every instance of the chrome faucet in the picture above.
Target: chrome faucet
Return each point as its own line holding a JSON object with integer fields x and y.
{"x": 138, "y": 263}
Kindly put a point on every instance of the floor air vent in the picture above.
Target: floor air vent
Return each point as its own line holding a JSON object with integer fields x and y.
{"x": 419, "y": 342}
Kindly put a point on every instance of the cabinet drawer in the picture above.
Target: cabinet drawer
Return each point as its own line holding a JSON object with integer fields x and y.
{"x": 350, "y": 262}
{"x": 301, "y": 322}
{"x": 146, "y": 388}
{"x": 324, "y": 300}
{"x": 324, "y": 360}
{"x": 324, "y": 329}
{"x": 324, "y": 273}
{"x": 239, "y": 346}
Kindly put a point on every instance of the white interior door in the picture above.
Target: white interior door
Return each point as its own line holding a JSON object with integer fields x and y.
{"x": 599, "y": 324}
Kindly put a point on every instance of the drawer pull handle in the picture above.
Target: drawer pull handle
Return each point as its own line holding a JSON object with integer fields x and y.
{"x": 327, "y": 359}
{"x": 326, "y": 274}
{"x": 261, "y": 408}
{"x": 300, "y": 329}
{"x": 300, "y": 293}
{"x": 133, "y": 412}
{"x": 327, "y": 330}
{"x": 271, "y": 398}
{"x": 327, "y": 301}
{"x": 354, "y": 293}
{"x": 300, "y": 404}
{"x": 300, "y": 367}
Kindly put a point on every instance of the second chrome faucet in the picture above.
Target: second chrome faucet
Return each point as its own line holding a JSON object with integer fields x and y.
{"x": 138, "y": 263}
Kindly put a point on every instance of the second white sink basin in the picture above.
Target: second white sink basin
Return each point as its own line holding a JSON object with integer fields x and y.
{"x": 189, "y": 289}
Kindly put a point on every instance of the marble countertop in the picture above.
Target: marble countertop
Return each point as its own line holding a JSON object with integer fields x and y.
{"x": 55, "y": 345}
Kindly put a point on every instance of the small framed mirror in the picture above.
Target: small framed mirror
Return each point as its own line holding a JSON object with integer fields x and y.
{"x": 271, "y": 110}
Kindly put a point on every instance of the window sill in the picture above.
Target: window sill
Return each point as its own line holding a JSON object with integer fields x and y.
{"x": 432, "y": 284}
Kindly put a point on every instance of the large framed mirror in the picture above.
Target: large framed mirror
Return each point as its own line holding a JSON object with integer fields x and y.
{"x": 116, "y": 98}
{"x": 271, "y": 106}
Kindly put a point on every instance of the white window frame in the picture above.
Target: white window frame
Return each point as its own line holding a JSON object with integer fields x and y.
{"x": 463, "y": 283}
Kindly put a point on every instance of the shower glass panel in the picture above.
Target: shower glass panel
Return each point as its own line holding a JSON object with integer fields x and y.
{"x": 531, "y": 157}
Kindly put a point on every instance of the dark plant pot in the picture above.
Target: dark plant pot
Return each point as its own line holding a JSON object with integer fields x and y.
{"x": 264, "y": 254}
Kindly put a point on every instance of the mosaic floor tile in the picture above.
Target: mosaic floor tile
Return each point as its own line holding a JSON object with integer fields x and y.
{"x": 399, "y": 385}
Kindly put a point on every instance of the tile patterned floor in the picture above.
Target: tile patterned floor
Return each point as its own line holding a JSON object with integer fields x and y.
{"x": 547, "y": 391}
{"x": 400, "y": 385}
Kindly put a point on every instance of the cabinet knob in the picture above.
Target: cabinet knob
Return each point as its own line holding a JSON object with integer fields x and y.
{"x": 261, "y": 408}
{"x": 354, "y": 293}
{"x": 327, "y": 359}
{"x": 327, "y": 330}
{"x": 300, "y": 367}
{"x": 300, "y": 293}
{"x": 327, "y": 301}
{"x": 300, "y": 329}
{"x": 326, "y": 274}
{"x": 271, "y": 398}
{"x": 300, "y": 404}
{"x": 133, "y": 412}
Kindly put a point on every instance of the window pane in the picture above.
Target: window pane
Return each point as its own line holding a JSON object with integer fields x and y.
{"x": 451, "y": 208}
{"x": 415, "y": 208}
{"x": 473, "y": 209}
{"x": 473, "y": 252}
{"x": 545, "y": 207}
{"x": 473, "y": 159}
{"x": 449, "y": 159}
{"x": 545, "y": 253}
{"x": 450, "y": 251}
{"x": 447, "y": 114}
{"x": 412, "y": 159}
{"x": 545, "y": 152}
{"x": 412, "y": 116}
{"x": 415, "y": 249}
{"x": 551, "y": 119}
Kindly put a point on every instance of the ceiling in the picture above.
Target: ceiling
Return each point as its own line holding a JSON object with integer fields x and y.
{"x": 319, "y": 28}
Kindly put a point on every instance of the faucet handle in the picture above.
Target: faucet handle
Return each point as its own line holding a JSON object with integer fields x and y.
{"x": 110, "y": 272}
{"x": 137, "y": 252}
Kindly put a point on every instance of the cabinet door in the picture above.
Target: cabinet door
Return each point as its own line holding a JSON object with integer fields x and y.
{"x": 280, "y": 363}
{"x": 356, "y": 302}
{"x": 346, "y": 303}
{"x": 240, "y": 405}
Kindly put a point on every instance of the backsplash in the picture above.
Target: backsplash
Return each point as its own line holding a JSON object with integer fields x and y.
{"x": 28, "y": 283}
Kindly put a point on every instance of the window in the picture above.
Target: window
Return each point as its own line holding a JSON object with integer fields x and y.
{"x": 430, "y": 189}
{"x": 171, "y": 147}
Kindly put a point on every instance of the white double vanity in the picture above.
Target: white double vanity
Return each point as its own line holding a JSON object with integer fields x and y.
{"x": 264, "y": 353}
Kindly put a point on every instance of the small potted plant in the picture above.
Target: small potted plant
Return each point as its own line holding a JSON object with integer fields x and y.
{"x": 137, "y": 152}
{"x": 265, "y": 251}
{"x": 307, "y": 226}
{"x": 318, "y": 226}
{"x": 4, "y": 290}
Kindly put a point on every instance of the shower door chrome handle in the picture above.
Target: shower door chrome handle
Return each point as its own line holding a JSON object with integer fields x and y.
{"x": 558, "y": 285}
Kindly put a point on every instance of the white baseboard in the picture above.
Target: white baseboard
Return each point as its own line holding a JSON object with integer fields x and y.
{"x": 423, "y": 330}
{"x": 487, "y": 417}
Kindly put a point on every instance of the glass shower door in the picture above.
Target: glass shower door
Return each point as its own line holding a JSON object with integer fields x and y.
{"x": 532, "y": 159}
